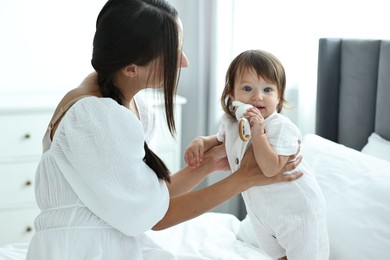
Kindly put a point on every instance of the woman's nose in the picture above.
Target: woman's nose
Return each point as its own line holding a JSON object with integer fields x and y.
{"x": 183, "y": 60}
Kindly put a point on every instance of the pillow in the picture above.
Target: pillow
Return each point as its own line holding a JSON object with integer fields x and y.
{"x": 356, "y": 187}
{"x": 377, "y": 146}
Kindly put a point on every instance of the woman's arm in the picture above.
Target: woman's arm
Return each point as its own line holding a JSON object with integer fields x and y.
{"x": 192, "y": 204}
{"x": 209, "y": 142}
{"x": 187, "y": 178}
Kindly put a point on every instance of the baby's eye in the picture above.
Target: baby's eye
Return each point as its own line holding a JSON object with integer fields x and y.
{"x": 267, "y": 89}
{"x": 247, "y": 88}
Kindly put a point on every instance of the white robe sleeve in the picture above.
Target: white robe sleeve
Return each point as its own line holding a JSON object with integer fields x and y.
{"x": 100, "y": 150}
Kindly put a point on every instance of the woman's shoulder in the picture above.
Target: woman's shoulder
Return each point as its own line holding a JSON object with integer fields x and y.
{"x": 63, "y": 106}
{"x": 88, "y": 87}
{"x": 99, "y": 108}
{"x": 84, "y": 101}
{"x": 100, "y": 116}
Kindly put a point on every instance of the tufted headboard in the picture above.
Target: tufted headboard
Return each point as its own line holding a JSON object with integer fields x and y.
{"x": 353, "y": 90}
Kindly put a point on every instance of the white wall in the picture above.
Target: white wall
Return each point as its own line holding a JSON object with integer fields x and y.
{"x": 291, "y": 30}
{"x": 46, "y": 45}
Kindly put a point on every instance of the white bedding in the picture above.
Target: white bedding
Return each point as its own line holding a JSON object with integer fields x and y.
{"x": 210, "y": 236}
{"x": 356, "y": 187}
{"x": 207, "y": 237}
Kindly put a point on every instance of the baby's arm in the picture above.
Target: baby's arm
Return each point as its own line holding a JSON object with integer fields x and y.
{"x": 267, "y": 159}
{"x": 193, "y": 155}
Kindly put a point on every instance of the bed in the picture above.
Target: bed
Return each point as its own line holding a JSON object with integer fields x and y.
{"x": 350, "y": 153}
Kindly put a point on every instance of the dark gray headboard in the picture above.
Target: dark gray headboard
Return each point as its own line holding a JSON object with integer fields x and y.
{"x": 353, "y": 90}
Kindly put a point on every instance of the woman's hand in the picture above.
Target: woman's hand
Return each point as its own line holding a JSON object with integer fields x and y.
{"x": 216, "y": 156}
{"x": 186, "y": 203}
{"x": 250, "y": 170}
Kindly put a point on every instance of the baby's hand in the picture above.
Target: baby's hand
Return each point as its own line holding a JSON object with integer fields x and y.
{"x": 256, "y": 120}
{"x": 193, "y": 155}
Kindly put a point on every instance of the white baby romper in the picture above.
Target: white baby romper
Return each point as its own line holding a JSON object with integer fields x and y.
{"x": 288, "y": 218}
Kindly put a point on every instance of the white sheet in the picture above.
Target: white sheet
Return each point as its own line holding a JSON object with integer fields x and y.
{"x": 211, "y": 236}
{"x": 15, "y": 251}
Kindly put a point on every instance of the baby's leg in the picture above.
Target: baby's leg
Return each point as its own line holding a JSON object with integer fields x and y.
{"x": 265, "y": 240}
{"x": 305, "y": 238}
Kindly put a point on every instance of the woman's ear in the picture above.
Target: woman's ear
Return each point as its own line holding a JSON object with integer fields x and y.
{"x": 130, "y": 70}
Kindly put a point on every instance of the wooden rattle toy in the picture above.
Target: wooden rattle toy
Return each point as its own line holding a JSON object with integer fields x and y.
{"x": 244, "y": 128}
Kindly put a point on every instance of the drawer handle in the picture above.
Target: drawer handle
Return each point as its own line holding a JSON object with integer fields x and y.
{"x": 29, "y": 229}
{"x": 27, "y": 136}
{"x": 28, "y": 183}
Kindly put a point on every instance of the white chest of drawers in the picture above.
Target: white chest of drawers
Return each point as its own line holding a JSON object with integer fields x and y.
{"x": 23, "y": 122}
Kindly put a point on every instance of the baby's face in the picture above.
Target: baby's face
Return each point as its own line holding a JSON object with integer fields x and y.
{"x": 251, "y": 89}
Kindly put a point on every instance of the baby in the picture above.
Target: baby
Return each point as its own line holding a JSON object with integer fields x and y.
{"x": 289, "y": 219}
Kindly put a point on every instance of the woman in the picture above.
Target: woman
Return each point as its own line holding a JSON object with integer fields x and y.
{"x": 98, "y": 184}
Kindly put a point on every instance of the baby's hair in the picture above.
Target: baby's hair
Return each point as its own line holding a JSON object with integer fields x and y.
{"x": 264, "y": 64}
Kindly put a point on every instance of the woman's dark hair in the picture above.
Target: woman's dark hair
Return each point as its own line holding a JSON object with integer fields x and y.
{"x": 264, "y": 64}
{"x": 138, "y": 32}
